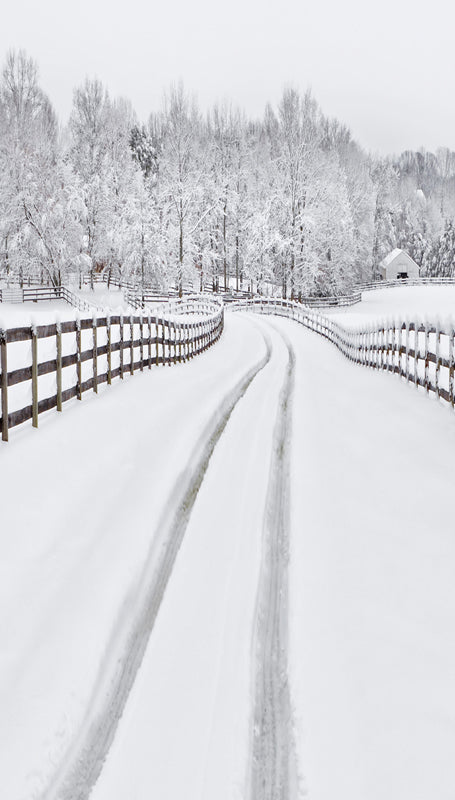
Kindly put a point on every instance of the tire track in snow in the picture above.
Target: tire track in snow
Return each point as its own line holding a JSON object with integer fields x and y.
{"x": 272, "y": 771}
{"x": 80, "y": 769}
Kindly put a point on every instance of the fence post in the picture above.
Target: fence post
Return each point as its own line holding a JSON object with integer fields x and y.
{"x": 427, "y": 363}
{"x": 141, "y": 346}
{"x": 34, "y": 377}
{"x": 131, "y": 345}
{"x": 379, "y": 341}
{"x": 95, "y": 353}
{"x": 121, "y": 345}
{"x": 407, "y": 351}
{"x": 109, "y": 349}
{"x": 4, "y": 385}
{"x": 438, "y": 361}
{"x": 451, "y": 365}
{"x": 394, "y": 345}
{"x": 389, "y": 346}
{"x": 391, "y": 339}
{"x": 78, "y": 359}
{"x": 59, "y": 365}
{"x": 169, "y": 341}
{"x": 386, "y": 346}
{"x": 163, "y": 334}
{"x": 399, "y": 347}
{"x": 149, "y": 323}
{"x": 416, "y": 354}
{"x": 157, "y": 345}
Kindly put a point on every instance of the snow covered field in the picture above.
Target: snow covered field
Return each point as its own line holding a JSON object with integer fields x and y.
{"x": 415, "y": 302}
{"x": 175, "y": 468}
{"x": 102, "y": 296}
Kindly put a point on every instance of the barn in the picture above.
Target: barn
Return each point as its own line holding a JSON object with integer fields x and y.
{"x": 398, "y": 264}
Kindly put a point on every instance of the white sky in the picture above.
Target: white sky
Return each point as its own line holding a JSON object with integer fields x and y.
{"x": 386, "y": 69}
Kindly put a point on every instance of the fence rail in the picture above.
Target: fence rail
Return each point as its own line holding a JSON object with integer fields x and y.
{"x": 332, "y": 302}
{"x": 421, "y": 353}
{"x": 66, "y": 359}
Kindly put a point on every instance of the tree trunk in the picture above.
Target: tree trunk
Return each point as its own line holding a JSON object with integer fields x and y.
{"x": 224, "y": 247}
{"x": 180, "y": 272}
{"x": 142, "y": 262}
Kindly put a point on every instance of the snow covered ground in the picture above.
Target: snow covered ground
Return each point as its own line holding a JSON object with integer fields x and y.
{"x": 102, "y": 296}
{"x": 91, "y": 502}
{"x": 15, "y": 315}
{"x": 373, "y": 599}
{"x": 415, "y": 302}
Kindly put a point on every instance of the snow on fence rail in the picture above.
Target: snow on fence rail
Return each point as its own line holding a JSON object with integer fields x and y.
{"x": 422, "y": 353}
{"x": 65, "y": 359}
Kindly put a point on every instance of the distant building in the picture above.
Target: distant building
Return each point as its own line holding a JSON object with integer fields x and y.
{"x": 398, "y": 264}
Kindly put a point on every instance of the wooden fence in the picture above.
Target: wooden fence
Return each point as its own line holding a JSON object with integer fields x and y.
{"x": 421, "y": 353}
{"x": 332, "y": 302}
{"x": 85, "y": 353}
{"x": 137, "y": 299}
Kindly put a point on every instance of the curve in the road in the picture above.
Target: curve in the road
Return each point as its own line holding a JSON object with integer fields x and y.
{"x": 272, "y": 764}
{"x": 81, "y": 768}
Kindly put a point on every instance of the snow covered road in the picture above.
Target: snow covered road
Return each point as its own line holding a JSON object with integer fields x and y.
{"x": 272, "y": 760}
{"x": 203, "y": 700}
{"x": 316, "y": 559}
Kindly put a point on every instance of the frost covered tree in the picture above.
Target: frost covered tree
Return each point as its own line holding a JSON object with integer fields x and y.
{"x": 441, "y": 257}
{"x": 286, "y": 203}
{"x": 143, "y": 150}
{"x": 181, "y": 184}
{"x": 40, "y": 230}
{"x": 88, "y": 154}
{"x": 298, "y": 166}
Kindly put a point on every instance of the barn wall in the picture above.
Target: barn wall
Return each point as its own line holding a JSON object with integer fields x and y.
{"x": 400, "y": 264}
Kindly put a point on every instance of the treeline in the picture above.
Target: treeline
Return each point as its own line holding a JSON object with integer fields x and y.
{"x": 208, "y": 200}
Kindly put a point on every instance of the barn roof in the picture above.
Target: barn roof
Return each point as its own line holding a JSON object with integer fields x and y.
{"x": 393, "y": 255}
